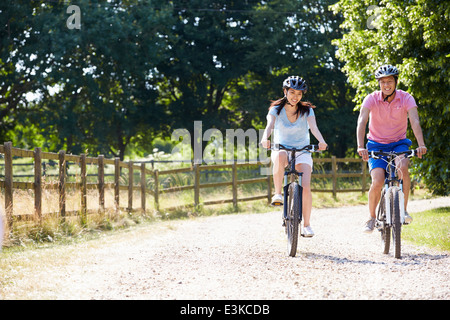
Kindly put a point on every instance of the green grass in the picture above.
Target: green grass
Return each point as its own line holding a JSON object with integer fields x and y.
{"x": 430, "y": 228}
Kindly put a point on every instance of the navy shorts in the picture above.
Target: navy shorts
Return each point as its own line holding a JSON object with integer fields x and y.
{"x": 399, "y": 146}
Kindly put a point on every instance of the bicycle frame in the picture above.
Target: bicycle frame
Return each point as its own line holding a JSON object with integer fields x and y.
{"x": 293, "y": 174}
{"x": 391, "y": 180}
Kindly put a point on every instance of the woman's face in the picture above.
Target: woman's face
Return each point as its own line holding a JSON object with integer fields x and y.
{"x": 293, "y": 96}
{"x": 387, "y": 85}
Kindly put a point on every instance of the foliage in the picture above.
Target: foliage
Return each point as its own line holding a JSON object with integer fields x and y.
{"x": 414, "y": 36}
{"x": 137, "y": 70}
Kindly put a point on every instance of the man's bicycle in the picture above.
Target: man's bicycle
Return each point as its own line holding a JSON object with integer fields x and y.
{"x": 293, "y": 193}
{"x": 391, "y": 209}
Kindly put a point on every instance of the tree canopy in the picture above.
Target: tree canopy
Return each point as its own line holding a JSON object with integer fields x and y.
{"x": 135, "y": 70}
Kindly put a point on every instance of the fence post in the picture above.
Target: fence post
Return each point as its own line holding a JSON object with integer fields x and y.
{"x": 62, "y": 184}
{"x": 334, "y": 170}
{"x": 116, "y": 183}
{"x": 234, "y": 180}
{"x": 196, "y": 185}
{"x": 38, "y": 183}
{"x": 143, "y": 187}
{"x": 130, "y": 186}
{"x": 8, "y": 184}
{"x": 156, "y": 191}
{"x": 83, "y": 189}
{"x": 101, "y": 182}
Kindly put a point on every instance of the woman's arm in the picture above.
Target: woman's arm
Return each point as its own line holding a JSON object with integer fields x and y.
{"x": 316, "y": 132}
{"x": 268, "y": 131}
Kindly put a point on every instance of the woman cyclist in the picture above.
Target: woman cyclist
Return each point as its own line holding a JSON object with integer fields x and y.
{"x": 290, "y": 120}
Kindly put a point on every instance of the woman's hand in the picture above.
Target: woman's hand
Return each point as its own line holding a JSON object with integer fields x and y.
{"x": 323, "y": 146}
{"x": 265, "y": 144}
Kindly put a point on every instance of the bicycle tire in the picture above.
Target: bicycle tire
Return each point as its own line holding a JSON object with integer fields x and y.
{"x": 396, "y": 223}
{"x": 384, "y": 228}
{"x": 293, "y": 218}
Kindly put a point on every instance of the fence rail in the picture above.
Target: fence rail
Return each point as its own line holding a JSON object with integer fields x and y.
{"x": 61, "y": 185}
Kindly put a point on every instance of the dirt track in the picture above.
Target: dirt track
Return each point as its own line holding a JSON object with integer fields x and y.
{"x": 243, "y": 257}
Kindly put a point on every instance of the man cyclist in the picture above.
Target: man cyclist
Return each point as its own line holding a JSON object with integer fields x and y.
{"x": 389, "y": 110}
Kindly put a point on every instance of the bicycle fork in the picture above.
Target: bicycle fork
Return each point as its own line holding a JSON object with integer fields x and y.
{"x": 387, "y": 199}
{"x": 286, "y": 193}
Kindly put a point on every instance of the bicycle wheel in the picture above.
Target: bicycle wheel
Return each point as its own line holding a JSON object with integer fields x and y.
{"x": 382, "y": 226}
{"x": 293, "y": 218}
{"x": 396, "y": 223}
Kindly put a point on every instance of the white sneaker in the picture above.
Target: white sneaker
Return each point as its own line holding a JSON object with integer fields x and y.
{"x": 408, "y": 218}
{"x": 370, "y": 224}
{"x": 307, "y": 232}
{"x": 277, "y": 200}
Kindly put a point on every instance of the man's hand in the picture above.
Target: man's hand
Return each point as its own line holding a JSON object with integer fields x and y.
{"x": 421, "y": 151}
{"x": 363, "y": 153}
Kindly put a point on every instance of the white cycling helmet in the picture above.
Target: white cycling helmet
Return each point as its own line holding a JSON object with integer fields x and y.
{"x": 386, "y": 71}
{"x": 295, "y": 82}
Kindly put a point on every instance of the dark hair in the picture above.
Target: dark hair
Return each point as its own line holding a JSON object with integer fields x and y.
{"x": 302, "y": 106}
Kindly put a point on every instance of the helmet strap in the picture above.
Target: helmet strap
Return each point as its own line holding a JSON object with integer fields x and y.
{"x": 387, "y": 97}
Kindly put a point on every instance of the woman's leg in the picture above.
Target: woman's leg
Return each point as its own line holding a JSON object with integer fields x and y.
{"x": 279, "y": 163}
{"x": 307, "y": 196}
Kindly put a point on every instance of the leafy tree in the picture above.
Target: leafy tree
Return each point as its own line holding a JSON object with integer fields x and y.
{"x": 97, "y": 90}
{"x": 139, "y": 69}
{"x": 414, "y": 36}
{"x": 230, "y": 58}
{"x": 16, "y": 79}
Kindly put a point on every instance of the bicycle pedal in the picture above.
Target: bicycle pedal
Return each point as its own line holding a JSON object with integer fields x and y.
{"x": 276, "y": 204}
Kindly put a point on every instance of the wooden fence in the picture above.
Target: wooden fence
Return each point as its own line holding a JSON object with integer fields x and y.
{"x": 82, "y": 160}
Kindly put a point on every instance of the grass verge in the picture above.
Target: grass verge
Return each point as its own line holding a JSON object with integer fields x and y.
{"x": 430, "y": 228}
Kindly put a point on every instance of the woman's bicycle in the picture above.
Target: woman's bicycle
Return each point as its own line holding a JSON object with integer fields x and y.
{"x": 293, "y": 192}
{"x": 391, "y": 209}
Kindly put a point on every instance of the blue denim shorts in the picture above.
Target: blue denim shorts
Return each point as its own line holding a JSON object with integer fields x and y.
{"x": 399, "y": 146}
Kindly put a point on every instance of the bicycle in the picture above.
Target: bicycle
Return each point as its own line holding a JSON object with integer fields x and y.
{"x": 391, "y": 208}
{"x": 293, "y": 191}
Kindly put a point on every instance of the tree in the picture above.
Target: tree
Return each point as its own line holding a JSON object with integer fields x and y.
{"x": 229, "y": 59}
{"x": 96, "y": 87}
{"x": 414, "y": 36}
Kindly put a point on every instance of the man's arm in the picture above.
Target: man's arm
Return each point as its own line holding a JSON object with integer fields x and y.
{"x": 361, "y": 132}
{"x": 413, "y": 116}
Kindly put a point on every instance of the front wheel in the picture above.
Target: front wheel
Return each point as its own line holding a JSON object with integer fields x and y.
{"x": 396, "y": 223}
{"x": 383, "y": 227}
{"x": 293, "y": 217}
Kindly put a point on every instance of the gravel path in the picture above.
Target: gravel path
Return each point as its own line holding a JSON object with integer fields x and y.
{"x": 244, "y": 257}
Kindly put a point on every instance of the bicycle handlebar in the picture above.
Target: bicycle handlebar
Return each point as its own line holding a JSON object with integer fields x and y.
{"x": 378, "y": 154}
{"x": 310, "y": 148}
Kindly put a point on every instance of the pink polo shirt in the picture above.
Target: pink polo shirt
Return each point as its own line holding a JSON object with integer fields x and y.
{"x": 388, "y": 121}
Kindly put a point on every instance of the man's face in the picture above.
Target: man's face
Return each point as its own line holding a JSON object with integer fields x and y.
{"x": 387, "y": 85}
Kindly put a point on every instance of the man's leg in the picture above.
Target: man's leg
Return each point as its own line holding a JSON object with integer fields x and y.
{"x": 378, "y": 176}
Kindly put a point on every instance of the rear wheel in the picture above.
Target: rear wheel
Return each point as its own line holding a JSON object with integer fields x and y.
{"x": 293, "y": 218}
